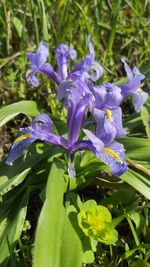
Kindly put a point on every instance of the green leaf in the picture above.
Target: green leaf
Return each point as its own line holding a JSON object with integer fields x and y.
{"x": 139, "y": 182}
{"x": 7, "y": 184}
{"x": 137, "y": 149}
{"x": 38, "y": 159}
{"x": 9, "y": 112}
{"x": 12, "y": 216}
{"x": 132, "y": 121}
{"x": 56, "y": 243}
{"x": 146, "y": 120}
{"x": 18, "y": 26}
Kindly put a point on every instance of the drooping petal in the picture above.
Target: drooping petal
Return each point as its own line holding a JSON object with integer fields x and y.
{"x": 112, "y": 155}
{"x": 139, "y": 98}
{"x": 30, "y": 76}
{"x": 63, "y": 54}
{"x": 18, "y": 148}
{"x": 40, "y": 129}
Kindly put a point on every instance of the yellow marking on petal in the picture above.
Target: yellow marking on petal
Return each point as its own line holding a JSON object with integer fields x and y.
{"x": 22, "y": 137}
{"x": 109, "y": 114}
{"x": 139, "y": 89}
{"x": 69, "y": 79}
{"x": 112, "y": 153}
{"x": 28, "y": 73}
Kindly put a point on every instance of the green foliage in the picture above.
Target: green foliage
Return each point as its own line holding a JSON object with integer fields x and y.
{"x": 9, "y": 112}
{"x": 12, "y": 214}
{"x": 56, "y": 242}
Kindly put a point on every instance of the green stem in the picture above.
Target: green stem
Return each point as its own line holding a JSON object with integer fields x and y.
{"x": 136, "y": 239}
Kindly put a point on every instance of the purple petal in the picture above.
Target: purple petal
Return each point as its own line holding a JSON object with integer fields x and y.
{"x": 82, "y": 67}
{"x": 100, "y": 95}
{"x": 40, "y": 129}
{"x": 139, "y": 98}
{"x": 48, "y": 70}
{"x": 105, "y": 128}
{"x": 63, "y": 54}
{"x": 117, "y": 120}
{"x": 134, "y": 82}
{"x": 40, "y": 57}
{"x": 32, "y": 79}
{"x": 18, "y": 149}
{"x": 96, "y": 71}
{"x": 62, "y": 89}
{"x": 114, "y": 97}
{"x": 127, "y": 69}
{"x": 44, "y": 118}
{"x": 112, "y": 155}
{"x": 138, "y": 74}
{"x": 76, "y": 113}
{"x": 82, "y": 145}
{"x": 97, "y": 143}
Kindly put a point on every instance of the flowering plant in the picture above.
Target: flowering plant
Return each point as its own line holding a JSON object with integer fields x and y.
{"x": 92, "y": 150}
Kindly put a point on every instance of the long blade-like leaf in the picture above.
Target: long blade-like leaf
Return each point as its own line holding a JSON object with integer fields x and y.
{"x": 9, "y": 112}
{"x": 56, "y": 244}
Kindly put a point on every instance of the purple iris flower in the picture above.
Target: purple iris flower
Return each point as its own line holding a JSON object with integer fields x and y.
{"x": 106, "y": 111}
{"x": 133, "y": 87}
{"x": 39, "y": 65}
{"x": 42, "y": 129}
{"x": 87, "y": 68}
